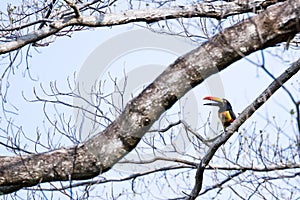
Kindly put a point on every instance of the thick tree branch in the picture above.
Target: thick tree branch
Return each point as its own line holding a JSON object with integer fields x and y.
{"x": 61, "y": 164}
{"x": 101, "y": 152}
{"x": 259, "y": 101}
{"x": 145, "y": 15}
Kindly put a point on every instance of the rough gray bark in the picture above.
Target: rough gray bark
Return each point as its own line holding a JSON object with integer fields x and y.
{"x": 61, "y": 164}
{"x": 277, "y": 24}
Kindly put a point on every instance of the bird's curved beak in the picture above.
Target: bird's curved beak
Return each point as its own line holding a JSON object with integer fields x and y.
{"x": 218, "y": 101}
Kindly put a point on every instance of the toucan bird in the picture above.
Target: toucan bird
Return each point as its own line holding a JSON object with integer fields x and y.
{"x": 225, "y": 112}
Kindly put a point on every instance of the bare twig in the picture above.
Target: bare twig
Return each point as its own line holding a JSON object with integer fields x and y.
{"x": 74, "y": 7}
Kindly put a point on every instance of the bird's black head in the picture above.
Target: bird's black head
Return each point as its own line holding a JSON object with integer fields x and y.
{"x": 223, "y": 104}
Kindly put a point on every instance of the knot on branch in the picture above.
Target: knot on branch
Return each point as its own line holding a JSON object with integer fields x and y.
{"x": 146, "y": 121}
{"x": 169, "y": 100}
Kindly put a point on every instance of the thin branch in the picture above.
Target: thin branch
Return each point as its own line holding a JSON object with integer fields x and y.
{"x": 50, "y": 8}
{"x": 74, "y": 7}
{"x": 27, "y": 25}
{"x": 219, "y": 185}
{"x": 268, "y": 168}
{"x": 132, "y": 176}
{"x": 171, "y": 125}
{"x": 259, "y": 101}
{"x": 175, "y": 160}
